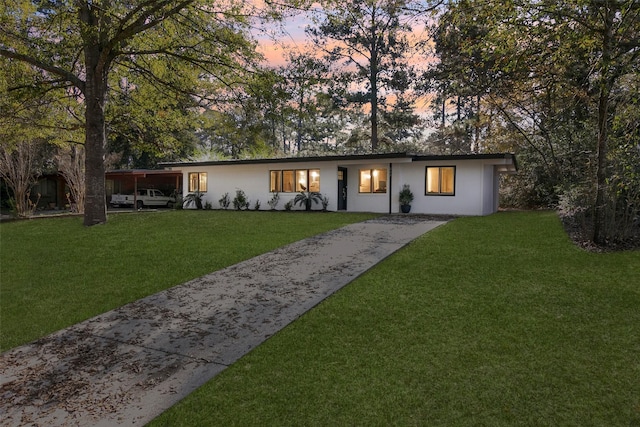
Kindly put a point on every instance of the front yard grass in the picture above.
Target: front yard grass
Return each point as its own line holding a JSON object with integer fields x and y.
{"x": 54, "y": 272}
{"x": 496, "y": 321}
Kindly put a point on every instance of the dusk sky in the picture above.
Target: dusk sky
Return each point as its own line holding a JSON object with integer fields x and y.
{"x": 273, "y": 43}
{"x": 277, "y": 41}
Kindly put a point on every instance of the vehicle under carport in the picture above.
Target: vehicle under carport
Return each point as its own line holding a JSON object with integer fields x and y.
{"x": 129, "y": 181}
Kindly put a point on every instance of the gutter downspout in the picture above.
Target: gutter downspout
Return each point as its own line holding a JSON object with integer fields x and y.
{"x": 390, "y": 186}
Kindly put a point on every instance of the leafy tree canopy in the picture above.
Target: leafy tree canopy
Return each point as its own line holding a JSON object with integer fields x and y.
{"x": 370, "y": 45}
{"x": 86, "y": 48}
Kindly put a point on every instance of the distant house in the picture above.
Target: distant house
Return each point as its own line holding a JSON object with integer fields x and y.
{"x": 441, "y": 184}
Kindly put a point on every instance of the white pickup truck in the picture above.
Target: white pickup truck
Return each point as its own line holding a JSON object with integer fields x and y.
{"x": 145, "y": 197}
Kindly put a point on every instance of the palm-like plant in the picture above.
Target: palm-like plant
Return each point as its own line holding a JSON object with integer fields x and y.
{"x": 193, "y": 199}
{"x": 306, "y": 198}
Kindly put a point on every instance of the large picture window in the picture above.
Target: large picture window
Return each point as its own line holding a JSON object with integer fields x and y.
{"x": 198, "y": 182}
{"x": 440, "y": 180}
{"x": 373, "y": 181}
{"x": 290, "y": 181}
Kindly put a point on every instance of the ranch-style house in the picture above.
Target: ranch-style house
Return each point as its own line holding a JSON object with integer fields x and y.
{"x": 441, "y": 184}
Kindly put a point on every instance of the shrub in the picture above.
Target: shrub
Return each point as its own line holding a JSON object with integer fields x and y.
{"x": 288, "y": 205}
{"x": 179, "y": 204}
{"x": 225, "y": 201}
{"x": 325, "y": 203}
{"x": 240, "y": 201}
{"x": 274, "y": 201}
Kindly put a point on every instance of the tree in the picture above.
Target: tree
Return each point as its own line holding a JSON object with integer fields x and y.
{"x": 368, "y": 45}
{"x": 550, "y": 73}
{"x": 78, "y": 44}
{"x": 70, "y": 161}
{"x": 146, "y": 127}
{"x": 20, "y": 166}
{"x": 614, "y": 29}
{"x": 463, "y": 73}
{"x": 29, "y": 126}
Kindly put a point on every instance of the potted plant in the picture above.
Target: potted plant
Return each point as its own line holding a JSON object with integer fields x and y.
{"x": 406, "y": 197}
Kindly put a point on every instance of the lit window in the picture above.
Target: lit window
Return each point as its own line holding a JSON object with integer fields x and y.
{"x": 198, "y": 181}
{"x": 289, "y": 181}
{"x": 441, "y": 180}
{"x": 275, "y": 184}
{"x": 373, "y": 181}
{"x": 314, "y": 180}
{"x": 301, "y": 180}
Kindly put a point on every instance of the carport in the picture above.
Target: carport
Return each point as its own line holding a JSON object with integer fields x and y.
{"x": 128, "y": 181}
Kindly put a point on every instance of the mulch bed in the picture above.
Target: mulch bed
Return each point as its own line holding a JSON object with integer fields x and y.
{"x": 579, "y": 232}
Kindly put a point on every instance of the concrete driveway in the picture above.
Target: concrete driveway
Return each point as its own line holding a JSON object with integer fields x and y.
{"x": 127, "y": 366}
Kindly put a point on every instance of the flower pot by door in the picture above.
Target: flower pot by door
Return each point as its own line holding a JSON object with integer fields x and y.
{"x": 405, "y": 208}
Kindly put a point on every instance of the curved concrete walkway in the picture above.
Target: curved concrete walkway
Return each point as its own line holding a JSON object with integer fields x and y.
{"x": 127, "y": 366}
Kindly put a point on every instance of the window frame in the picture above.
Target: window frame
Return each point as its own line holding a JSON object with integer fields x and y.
{"x": 293, "y": 176}
{"x": 311, "y": 181}
{"x": 200, "y": 179}
{"x": 300, "y": 175}
{"x": 371, "y": 174}
{"x": 440, "y": 180}
{"x": 277, "y": 174}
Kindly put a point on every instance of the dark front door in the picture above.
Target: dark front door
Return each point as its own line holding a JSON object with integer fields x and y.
{"x": 342, "y": 189}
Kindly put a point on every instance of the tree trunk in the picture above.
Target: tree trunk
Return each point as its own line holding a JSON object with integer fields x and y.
{"x": 95, "y": 208}
{"x": 299, "y": 123}
{"x": 374, "y": 124}
{"x": 600, "y": 211}
{"x": 374, "y": 108}
{"x": 373, "y": 81}
{"x": 606, "y": 83}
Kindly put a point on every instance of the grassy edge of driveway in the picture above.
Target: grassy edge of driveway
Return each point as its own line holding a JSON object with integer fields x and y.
{"x": 54, "y": 272}
{"x": 495, "y": 321}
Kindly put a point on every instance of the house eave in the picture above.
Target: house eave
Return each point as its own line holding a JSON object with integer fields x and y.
{"x": 507, "y": 159}
{"x": 142, "y": 173}
{"x": 341, "y": 158}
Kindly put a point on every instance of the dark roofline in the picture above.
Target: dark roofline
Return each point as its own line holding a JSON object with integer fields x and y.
{"x": 413, "y": 157}
{"x": 141, "y": 172}
{"x": 485, "y": 156}
{"x": 292, "y": 159}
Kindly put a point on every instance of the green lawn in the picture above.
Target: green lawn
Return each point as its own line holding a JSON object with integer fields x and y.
{"x": 55, "y": 272}
{"x": 493, "y": 321}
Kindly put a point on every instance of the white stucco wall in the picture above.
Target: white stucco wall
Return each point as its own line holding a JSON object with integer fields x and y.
{"x": 469, "y": 194}
{"x": 490, "y": 189}
{"x": 253, "y": 179}
{"x": 365, "y": 202}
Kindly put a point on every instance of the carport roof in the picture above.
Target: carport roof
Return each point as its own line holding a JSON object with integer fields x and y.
{"x": 142, "y": 173}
